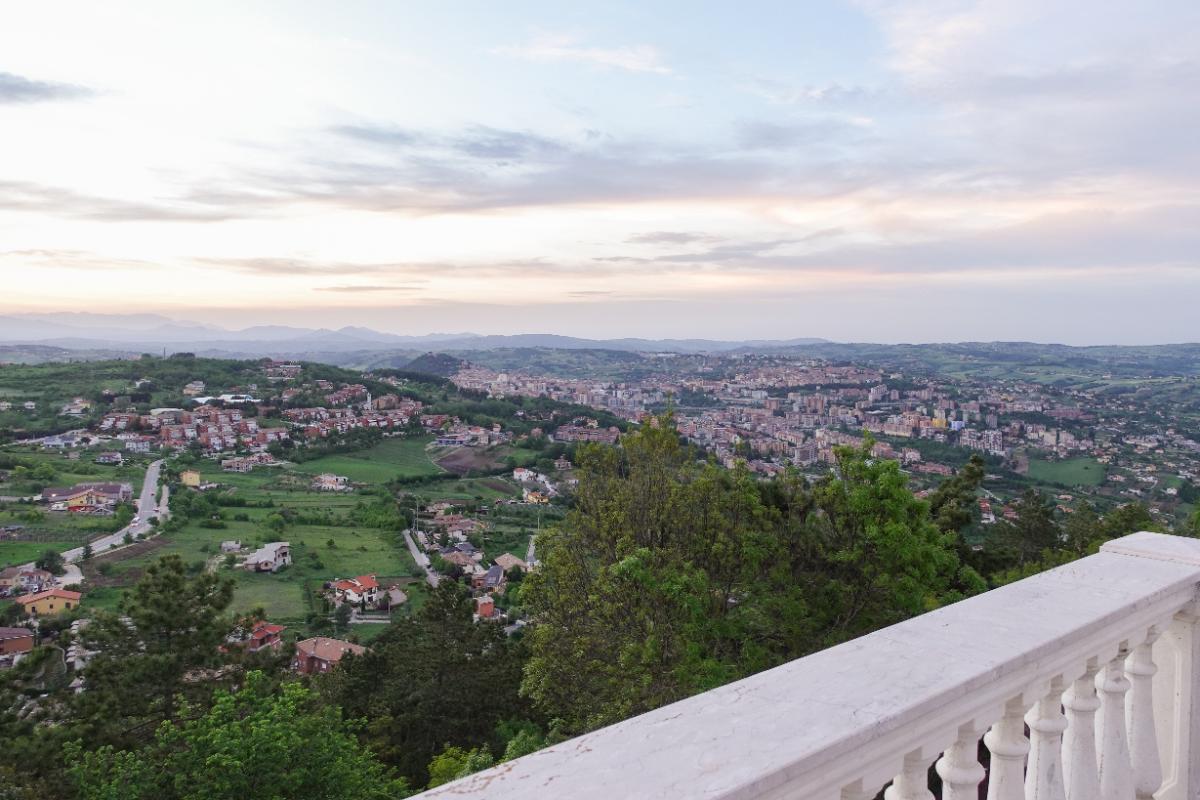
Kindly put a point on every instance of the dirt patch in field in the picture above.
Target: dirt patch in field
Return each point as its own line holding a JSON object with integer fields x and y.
{"x": 497, "y": 485}
{"x": 90, "y": 567}
{"x": 464, "y": 460}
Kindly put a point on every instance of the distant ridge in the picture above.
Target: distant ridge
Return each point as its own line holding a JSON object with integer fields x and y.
{"x": 151, "y": 333}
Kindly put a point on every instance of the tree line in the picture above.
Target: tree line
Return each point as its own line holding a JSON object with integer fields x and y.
{"x": 668, "y": 576}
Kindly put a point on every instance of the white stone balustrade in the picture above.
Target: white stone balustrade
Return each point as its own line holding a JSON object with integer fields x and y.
{"x": 1100, "y": 659}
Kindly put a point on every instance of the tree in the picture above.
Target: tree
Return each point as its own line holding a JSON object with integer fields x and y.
{"x": 1127, "y": 519}
{"x": 669, "y": 577}
{"x": 341, "y": 616}
{"x": 161, "y": 647}
{"x": 87, "y": 552}
{"x": 1034, "y": 529}
{"x": 1082, "y": 530}
{"x": 455, "y": 762}
{"x": 952, "y": 504}
{"x": 254, "y": 743}
{"x": 417, "y": 678}
{"x": 51, "y": 561}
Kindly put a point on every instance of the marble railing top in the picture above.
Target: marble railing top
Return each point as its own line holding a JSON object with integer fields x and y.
{"x": 809, "y": 727}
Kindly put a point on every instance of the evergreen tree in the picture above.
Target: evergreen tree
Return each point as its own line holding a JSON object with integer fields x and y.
{"x": 162, "y": 646}
{"x": 255, "y": 743}
{"x": 669, "y": 577}
{"x": 1034, "y": 529}
{"x": 436, "y": 680}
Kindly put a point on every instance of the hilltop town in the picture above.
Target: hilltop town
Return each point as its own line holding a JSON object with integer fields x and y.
{"x": 1098, "y": 439}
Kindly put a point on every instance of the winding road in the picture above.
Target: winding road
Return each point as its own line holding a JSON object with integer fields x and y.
{"x": 422, "y": 560}
{"x": 147, "y": 509}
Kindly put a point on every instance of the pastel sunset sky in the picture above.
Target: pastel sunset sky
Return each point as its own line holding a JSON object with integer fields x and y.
{"x": 918, "y": 170}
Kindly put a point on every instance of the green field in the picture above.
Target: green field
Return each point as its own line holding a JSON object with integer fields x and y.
{"x": 466, "y": 489}
{"x": 390, "y": 459}
{"x": 14, "y": 553}
{"x": 353, "y": 552}
{"x": 1069, "y": 472}
{"x": 341, "y": 549}
{"x": 507, "y": 538}
{"x": 55, "y": 530}
{"x": 68, "y": 472}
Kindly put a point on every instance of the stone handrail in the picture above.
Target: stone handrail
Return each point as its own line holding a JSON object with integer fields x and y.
{"x": 1098, "y": 658}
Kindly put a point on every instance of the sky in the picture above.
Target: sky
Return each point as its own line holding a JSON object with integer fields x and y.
{"x": 918, "y": 170}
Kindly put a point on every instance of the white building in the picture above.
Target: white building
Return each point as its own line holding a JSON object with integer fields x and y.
{"x": 269, "y": 558}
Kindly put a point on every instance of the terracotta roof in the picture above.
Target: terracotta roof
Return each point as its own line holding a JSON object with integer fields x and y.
{"x": 507, "y": 561}
{"x": 15, "y": 633}
{"x": 62, "y": 594}
{"x": 265, "y": 629}
{"x": 359, "y": 584}
{"x": 326, "y": 649}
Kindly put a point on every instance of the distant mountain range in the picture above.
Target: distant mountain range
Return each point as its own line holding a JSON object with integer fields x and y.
{"x": 153, "y": 333}
{"x": 35, "y": 338}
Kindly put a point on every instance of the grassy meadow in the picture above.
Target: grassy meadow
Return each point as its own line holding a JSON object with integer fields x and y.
{"x": 1068, "y": 472}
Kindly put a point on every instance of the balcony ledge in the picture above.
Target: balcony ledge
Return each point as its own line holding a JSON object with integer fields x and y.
{"x": 851, "y": 714}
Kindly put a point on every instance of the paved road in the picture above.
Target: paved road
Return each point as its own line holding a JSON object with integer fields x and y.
{"x": 422, "y": 560}
{"x": 147, "y": 508}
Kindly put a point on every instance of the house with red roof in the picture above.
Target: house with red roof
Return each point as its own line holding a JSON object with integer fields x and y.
{"x": 265, "y": 636}
{"x": 356, "y": 591}
{"x": 321, "y": 654}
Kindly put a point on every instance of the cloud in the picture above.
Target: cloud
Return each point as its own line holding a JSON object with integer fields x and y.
{"x": 669, "y": 237}
{"x": 355, "y": 289}
{"x": 70, "y": 259}
{"x": 784, "y": 136}
{"x": 16, "y": 89}
{"x": 549, "y": 48}
{"x": 1131, "y": 242}
{"x": 304, "y": 267}
{"x": 480, "y": 141}
{"x": 482, "y": 168}
{"x": 721, "y": 254}
{"x": 786, "y": 93}
{"x": 379, "y": 134}
{"x": 60, "y": 202}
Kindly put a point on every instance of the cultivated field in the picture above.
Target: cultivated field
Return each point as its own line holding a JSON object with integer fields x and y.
{"x": 1069, "y": 472}
{"x": 388, "y": 460}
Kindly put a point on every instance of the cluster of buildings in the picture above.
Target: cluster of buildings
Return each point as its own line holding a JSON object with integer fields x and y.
{"x": 213, "y": 428}
{"x": 772, "y": 412}
{"x": 245, "y": 464}
{"x": 453, "y": 432}
{"x": 446, "y": 535}
{"x": 364, "y": 593}
{"x": 87, "y": 498}
{"x": 586, "y": 429}
{"x": 23, "y": 580}
{"x": 321, "y": 422}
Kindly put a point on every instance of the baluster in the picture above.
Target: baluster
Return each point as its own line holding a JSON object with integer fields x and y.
{"x": 1139, "y": 718}
{"x": 1081, "y": 771}
{"x": 913, "y": 781}
{"x": 1116, "y": 771}
{"x": 959, "y": 766}
{"x": 1043, "y": 780}
{"x": 1007, "y": 743}
{"x": 856, "y": 792}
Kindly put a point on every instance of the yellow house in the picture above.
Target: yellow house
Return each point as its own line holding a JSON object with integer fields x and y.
{"x": 86, "y": 498}
{"x": 190, "y": 477}
{"x": 49, "y": 602}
